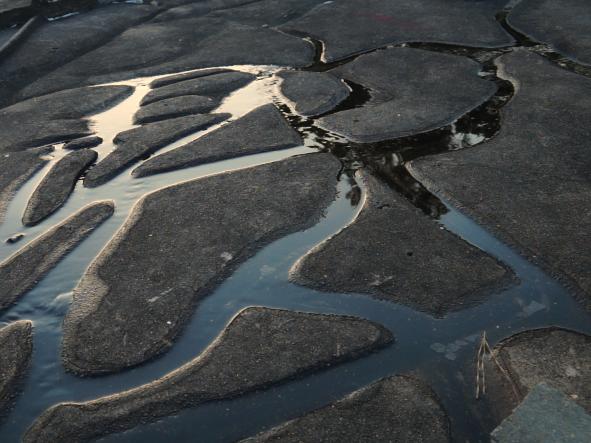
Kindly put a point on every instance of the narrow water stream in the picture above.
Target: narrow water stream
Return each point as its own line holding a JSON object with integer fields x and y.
{"x": 439, "y": 349}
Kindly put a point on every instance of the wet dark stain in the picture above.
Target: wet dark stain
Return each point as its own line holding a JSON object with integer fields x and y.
{"x": 15, "y": 238}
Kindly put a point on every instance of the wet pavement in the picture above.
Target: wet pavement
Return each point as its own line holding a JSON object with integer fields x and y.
{"x": 279, "y": 220}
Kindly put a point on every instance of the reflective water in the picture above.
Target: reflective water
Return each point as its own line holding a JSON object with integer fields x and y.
{"x": 439, "y": 349}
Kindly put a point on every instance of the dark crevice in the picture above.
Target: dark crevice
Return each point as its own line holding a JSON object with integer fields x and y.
{"x": 542, "y": 49}
{"x": 358, "y": 96}
{"x": 387, "y": 159}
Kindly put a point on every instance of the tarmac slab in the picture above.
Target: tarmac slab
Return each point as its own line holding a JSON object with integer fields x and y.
{"x": 266, "y": 12}
{"x": 174, "y": 107}
{"x": 84, "y": 142}
{"x": 175, "y": 78}
{"x": 353, "y": 26}
{"x": 545, "y": 416}
{"x": 557, "y": 357}
{"x": 55, "y": 117}
{"x": 412, "y": 91}
{"x": 57, "y": 185}
{"x": 393, "y": 409}
{"x": 15, "y": 169}
{"x": 56, "y": 43}
{"x": 24, "y": 269}
{"x": 563, "y": 24}
{"x": 392, "y": 251}
{"x": 16, "y": 347}
{"x": 313, "y": 93}
{"x": 137, "y": 143}
{"x": 530, "y": 185}
{"x": 259, "y": 348}
{"x": 215, "y": 85}
{"x": 176, "y": 247}
{"x": 261, "y": 130}
{"x": 15, "y": 11}
{"x": 162, "y": 47}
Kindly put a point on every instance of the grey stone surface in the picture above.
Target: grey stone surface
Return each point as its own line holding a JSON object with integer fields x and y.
{"x": 16, "y": 347}
{"x": 174, "y": 107}
{"x": 393, "y": 409}
{"x": 545, "y": 416}
{"x": 563, "y": 24}
{"x": 158, "y": 48}
{"x": 393, "y": 251}
{"x": 10, "y": 5}
{"x": 266, "y": 12}
{"x": 24, "y": 269}
{"x": 215, "y": 85}
{"x": 15, "y": 169}
{"x": 558, "y": 357}
{"x": 56, "y": 43}
{"x": 170, "y": 79}
{"x": 55, "y": 117}
{"x": 136, "y": 143}
{"x": 530, "y": 184}
{"x": 353, "y": 26}
{"x": 84, "y": 142}
{"x": 261, "y": 130}
{"x": 15, "y": 11}
{"x": 259, "y": 348}
{"x": 413, "y": 91}
{"x": 313, "y": 93}
{"x": 179, "y": 243}
{"x": 57, "y": 185}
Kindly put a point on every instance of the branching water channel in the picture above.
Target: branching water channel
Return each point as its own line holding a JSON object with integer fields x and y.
{"x": 439, "y": 349}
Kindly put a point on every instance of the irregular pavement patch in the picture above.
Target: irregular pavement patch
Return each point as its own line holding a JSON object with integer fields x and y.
{"x": 353, "y": 26}
{"x": 16, "y": 168}
{"x": 394, "y": 252}
{"x": 530, "y": 185}
{"x": 313, "y": 93}
{"x": 261, "y": 130}
{"x": 57, "y": 185}
{"x": 136, "y": 143}
{"x": 16, "y": 347}
{"x": 563, "y": 24}
{"x": 412, "y": 91}
{"x": 55, "y": 117}
{"x": 176, "y": 247}
{"x": 259, "y": 348}
{"x": 394, "y": 409}
{"x": 25, "y": 268}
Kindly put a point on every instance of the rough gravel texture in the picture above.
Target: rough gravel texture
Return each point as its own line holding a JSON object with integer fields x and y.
{"x": 354, "y": 26}
{"x": 259, "y": 348}
{"x": 84, "y": 142}
{"x": 16, "y": 347}
{"x": 24, "y": 269}
{"x": 530, "y": 184}
{"x": 394, "y": 409}
{"x": 261, "y": 130}
{"x": 56, "y": 43}
{"x": 189, "y": 43}
{"x": 15, "y": 169}
{"x": 412, "y": 91}
{"x": 139, "y": 142}
{"x": 174, "y": 249}
{"x": 393, "y": 251}
{"x": 313, "y": 93}
{"x": 55, "y": 117}
{"x": 174, "y": 107}
{"x": 558, "y": 357}
{"x": 563, "y": 24}
{"x": 215, "y": 85}
{"x": 57, "y": 185}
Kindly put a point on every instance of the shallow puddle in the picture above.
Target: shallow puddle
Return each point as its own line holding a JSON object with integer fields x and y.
{"x": 440, "y": 349}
